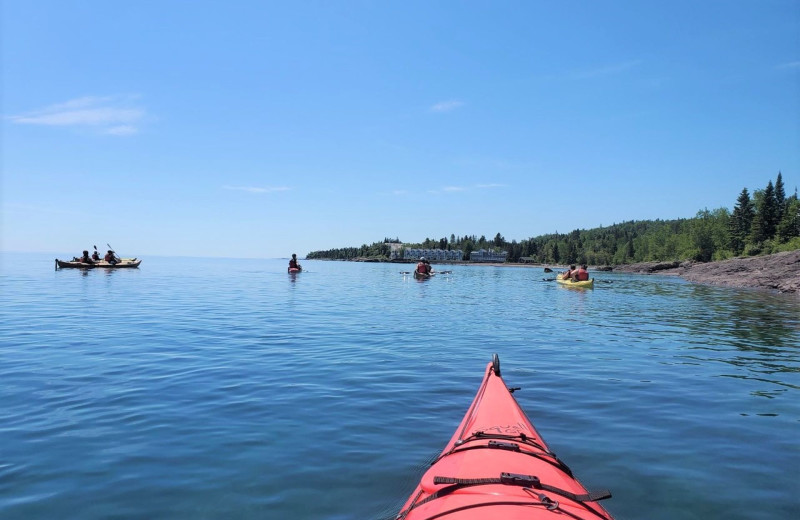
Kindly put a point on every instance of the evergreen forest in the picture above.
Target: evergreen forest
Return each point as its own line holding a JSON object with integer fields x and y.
{"x": 764, "y": 222}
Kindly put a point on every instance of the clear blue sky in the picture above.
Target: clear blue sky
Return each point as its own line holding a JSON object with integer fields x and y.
{"x": 263, "y": 128}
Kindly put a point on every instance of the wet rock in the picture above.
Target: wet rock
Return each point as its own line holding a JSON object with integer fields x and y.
{"x": 780, "y": 272}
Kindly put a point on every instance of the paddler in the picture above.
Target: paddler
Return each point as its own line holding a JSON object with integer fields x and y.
{"x": 110, "y": 257}
{"x": 293, "y": 263}
{"x": 423, "y": 267}
{"x": 580, "y": 275}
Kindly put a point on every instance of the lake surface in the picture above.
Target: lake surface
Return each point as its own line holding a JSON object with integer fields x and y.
{"x": 223, "y": 388}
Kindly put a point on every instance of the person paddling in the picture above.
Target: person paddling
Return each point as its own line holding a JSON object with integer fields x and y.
{"x": 424, "y": 267}
{"x": 580, "y": 275}
{"x": 110, "y": 257}
{"x": 293, "y": 263}
{"x": 85, "y": 258}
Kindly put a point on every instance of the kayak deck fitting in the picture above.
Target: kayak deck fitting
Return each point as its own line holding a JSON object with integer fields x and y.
{"x": 497, "y": 466}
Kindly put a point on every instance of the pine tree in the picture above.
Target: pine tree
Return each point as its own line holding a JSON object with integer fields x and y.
{"x": 741, "y": 222}
{"x": 780, "y": 199}
{"x": 764, "y": 223}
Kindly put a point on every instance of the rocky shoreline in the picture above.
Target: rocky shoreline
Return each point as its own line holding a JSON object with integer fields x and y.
{"x": 779, "y": 272}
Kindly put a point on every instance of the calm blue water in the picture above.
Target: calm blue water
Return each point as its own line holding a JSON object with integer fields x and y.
{"x": 219, "y": 388}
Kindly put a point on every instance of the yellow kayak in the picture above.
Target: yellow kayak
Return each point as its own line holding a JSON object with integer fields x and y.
{"x": 585, "y": 284}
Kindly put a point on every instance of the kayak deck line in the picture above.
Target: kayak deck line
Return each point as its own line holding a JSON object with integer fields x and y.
{"x": 543, "y": 454}
{"x": 525, "y": 481}
{"x": 497, "y": 465}
{"x": 513, "y": 479}
{"x": 493, "y": 368}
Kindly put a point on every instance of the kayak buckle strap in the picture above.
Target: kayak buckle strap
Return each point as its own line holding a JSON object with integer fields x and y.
{"x": 516, "y": 479}
{"x": 527, "y": 481}
{"x": 510, "y": 446}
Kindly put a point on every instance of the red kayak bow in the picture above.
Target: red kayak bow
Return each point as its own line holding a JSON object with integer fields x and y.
{"x": 497, "y": 466}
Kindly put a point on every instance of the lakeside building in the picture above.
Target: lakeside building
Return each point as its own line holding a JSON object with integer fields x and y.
{"x": 455, "y": 255}
{"x": 482, "y": 255}
{"x": 414, "y": 253}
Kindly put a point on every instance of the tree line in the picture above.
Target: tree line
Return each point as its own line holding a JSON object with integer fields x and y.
{"x": 765, "y": 222}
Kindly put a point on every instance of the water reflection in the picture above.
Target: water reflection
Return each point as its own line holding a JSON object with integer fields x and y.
{"x": 748, "y": 335}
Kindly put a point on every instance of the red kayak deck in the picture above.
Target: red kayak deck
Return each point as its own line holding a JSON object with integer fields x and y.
{"x": 497, "y": 466}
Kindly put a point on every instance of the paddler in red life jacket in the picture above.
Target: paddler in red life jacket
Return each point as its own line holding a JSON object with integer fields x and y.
{"x": 423, "y": 267}
{"x": 580, "y": 275}
{"x": 293, "y": 262}
{"x": 110, "y": 257}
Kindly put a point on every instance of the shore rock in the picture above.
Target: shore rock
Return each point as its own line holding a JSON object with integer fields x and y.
{"x": 780, "y": 272}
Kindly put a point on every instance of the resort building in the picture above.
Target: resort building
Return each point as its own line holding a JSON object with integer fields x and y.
{"x": 482, "y": 255}
{"x": 453, "y": 255}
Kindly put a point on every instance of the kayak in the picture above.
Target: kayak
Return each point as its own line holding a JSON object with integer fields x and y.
{"x": 422, "y": 276}
{"x": 124, "y": 262}
{"x": 295, "y": 270}
{"x": 569, "y": 282}
{"x": 498, "y": 466}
